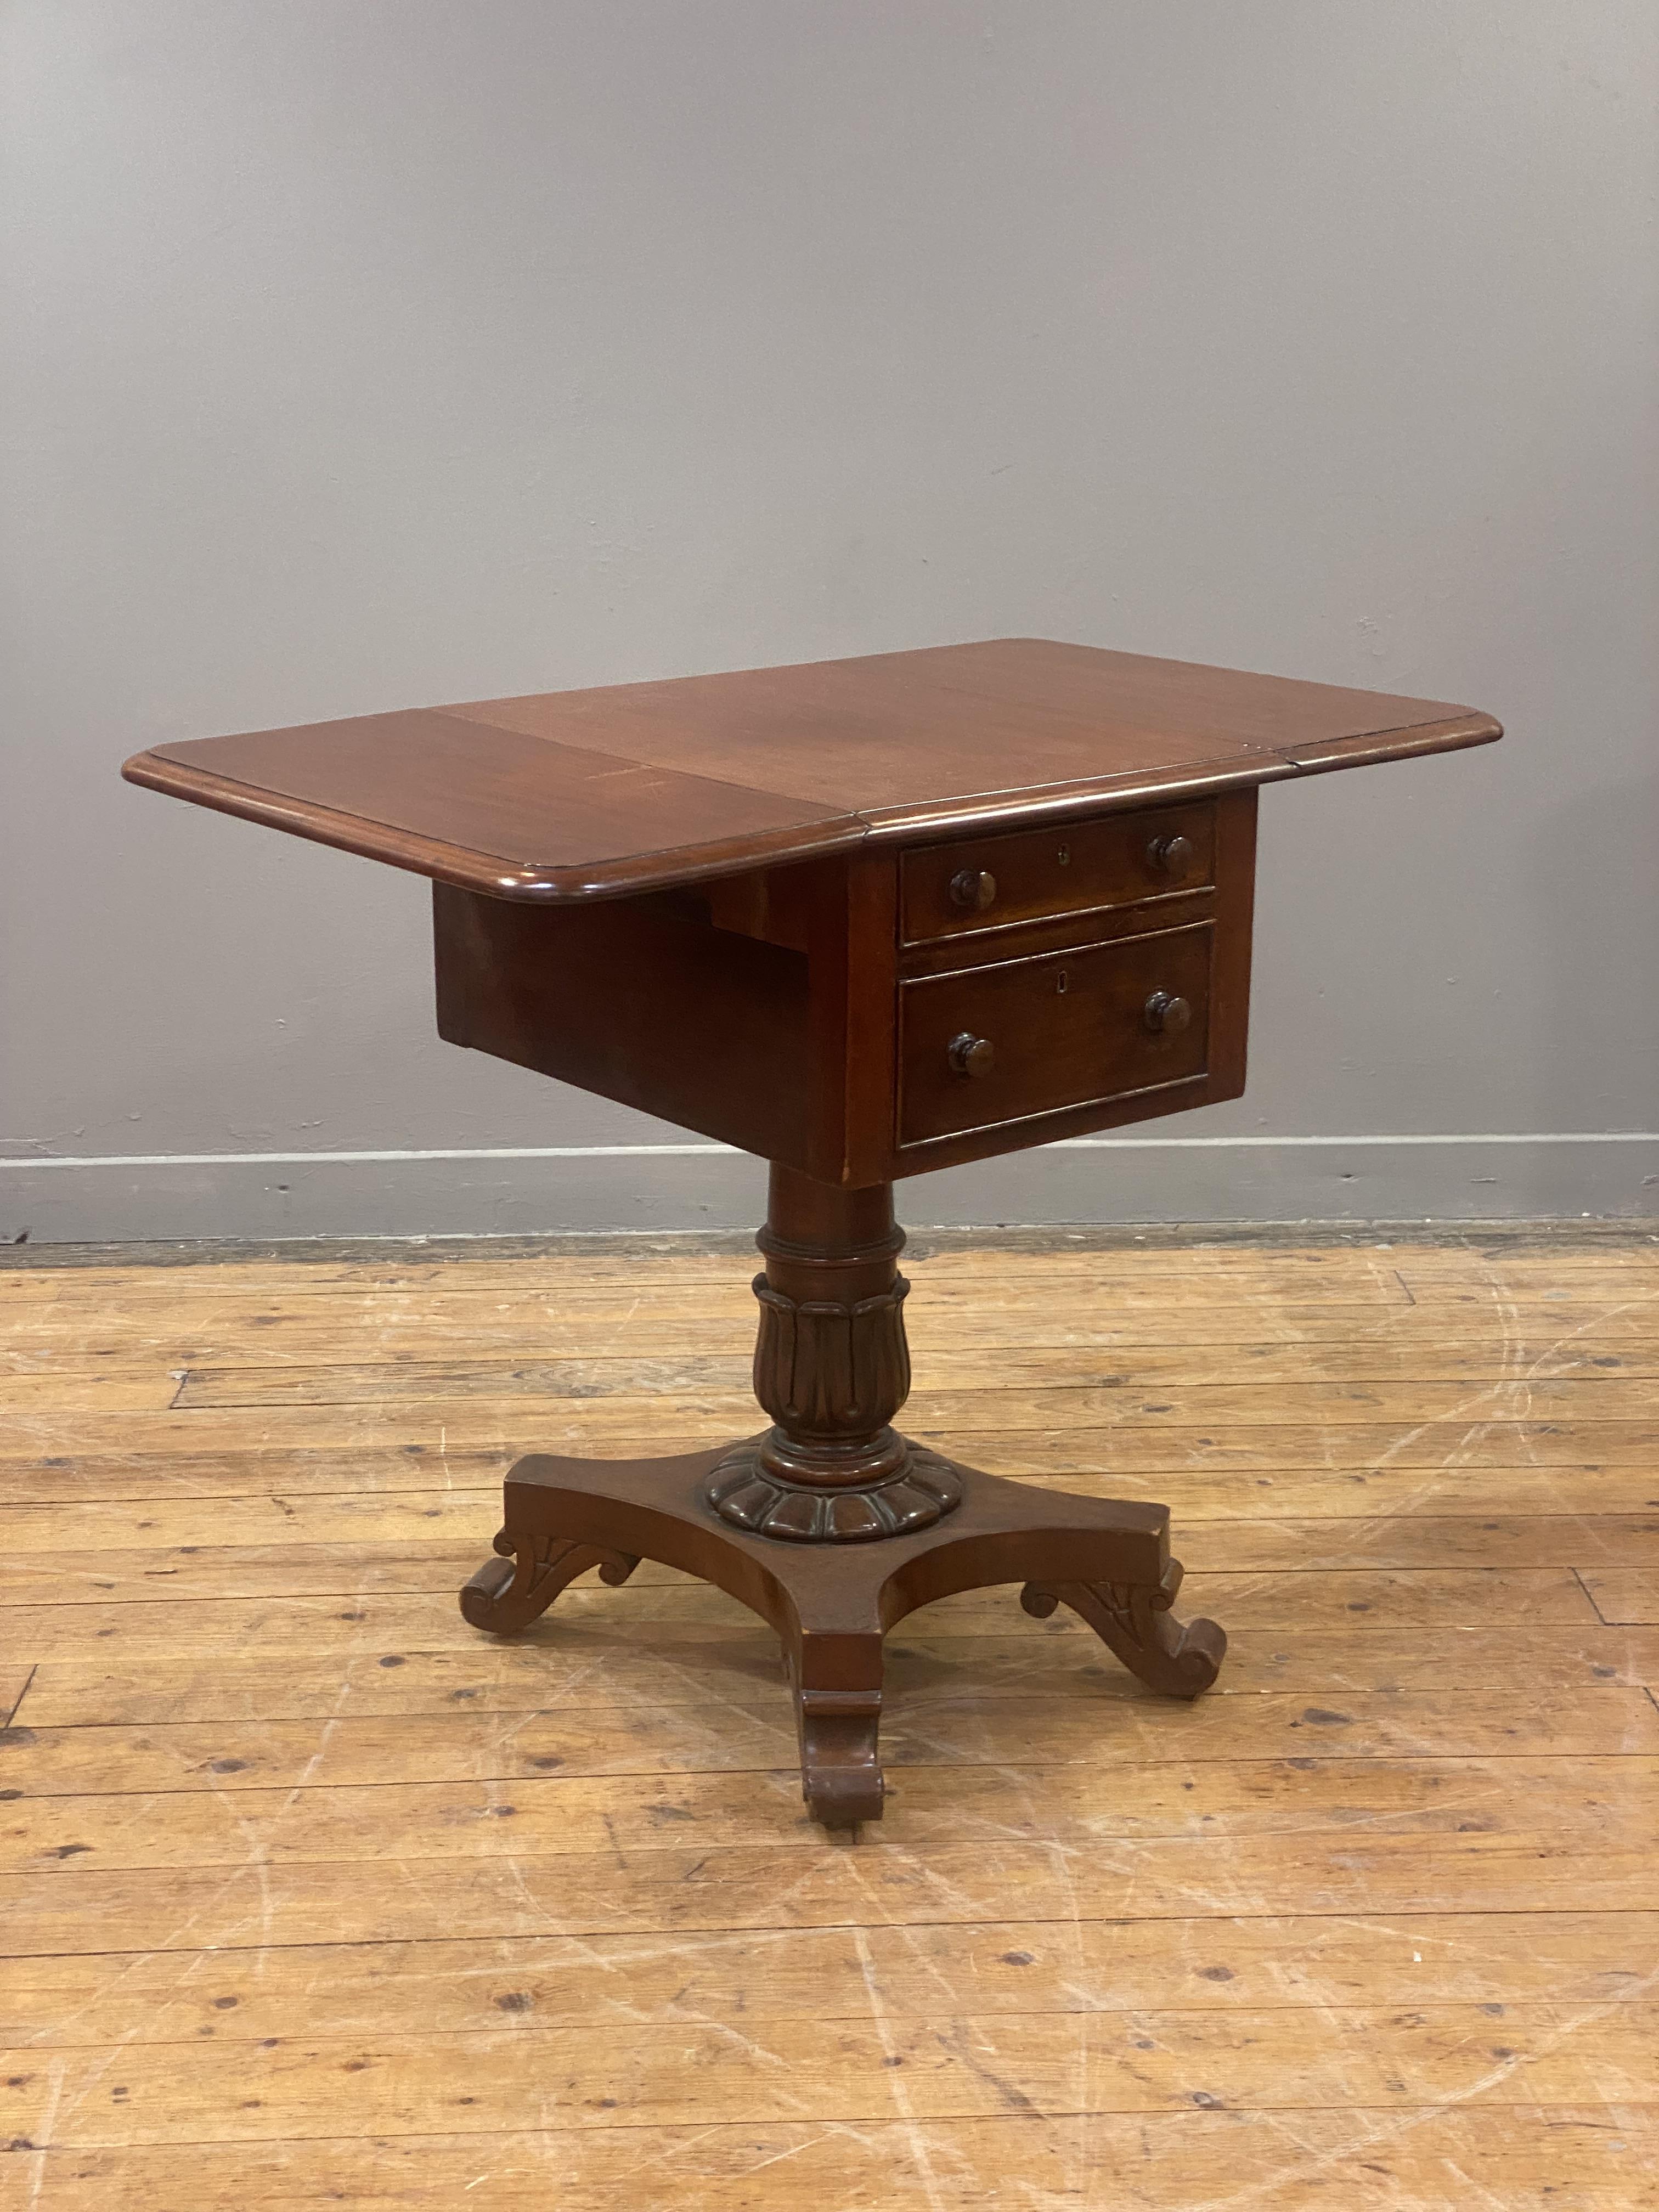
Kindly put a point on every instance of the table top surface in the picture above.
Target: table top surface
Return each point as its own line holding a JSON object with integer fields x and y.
{"x": 636, "y": 787}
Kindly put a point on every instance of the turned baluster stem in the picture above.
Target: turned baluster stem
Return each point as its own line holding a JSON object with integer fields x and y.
{"x": 831, "y": 1364}
{"x": 831, "y": 1368}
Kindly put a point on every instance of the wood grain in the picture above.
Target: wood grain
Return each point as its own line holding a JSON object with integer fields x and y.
{"x": 1625, "y": 1597}
{"x": 271, "y": 1599}
{"x": 1529, "y": 2158}
{"x": 688, "y": 1663}
{"x": 1588, "y": 1794}
{"x": 744, "y": 1731}
{"x": 565, "y": 795}
{"x": 1230, "y": 1966}
{"x": 1317, "y": 1870}
{"x": 459, "y": 1332}
{"x": 688, "y": 2073}
{"x": 309, "y": 1893}
{"x": 1205, "y": 1495}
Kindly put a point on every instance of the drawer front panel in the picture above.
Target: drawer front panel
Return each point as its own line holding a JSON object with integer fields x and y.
{"x": 977, "y": 884}
{"x": 988, "y": 1045}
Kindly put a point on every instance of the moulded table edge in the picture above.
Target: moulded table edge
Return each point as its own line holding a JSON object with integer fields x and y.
{"x": 498, "y": 877}
{"x": 494, "y": 875}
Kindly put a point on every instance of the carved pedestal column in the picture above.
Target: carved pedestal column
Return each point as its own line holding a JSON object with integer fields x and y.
{"x": 831, "y": 1368}
{"x": 831, "y": 1526}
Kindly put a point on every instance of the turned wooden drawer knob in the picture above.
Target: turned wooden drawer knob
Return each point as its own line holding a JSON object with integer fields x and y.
{"x": 974, "y": 888}
{"x": 972, "y": 1055}
{"x": 1171, "y": 856}
{"x": 1167, "y": 1015}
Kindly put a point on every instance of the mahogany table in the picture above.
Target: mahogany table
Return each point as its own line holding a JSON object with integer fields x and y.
{"x": 863, "y": 918}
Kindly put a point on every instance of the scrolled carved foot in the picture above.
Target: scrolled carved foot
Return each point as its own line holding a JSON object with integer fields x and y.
{"x": 1180, "y": 1659}
{"x": 502, "y": 1596}
{"x": 841, "y": 1776}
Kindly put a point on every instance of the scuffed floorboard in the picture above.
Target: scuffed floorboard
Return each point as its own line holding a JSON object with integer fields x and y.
{"x": 311, "y": 1895}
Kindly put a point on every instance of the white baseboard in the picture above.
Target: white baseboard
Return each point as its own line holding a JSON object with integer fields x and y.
{"x": 522, "y": 1191}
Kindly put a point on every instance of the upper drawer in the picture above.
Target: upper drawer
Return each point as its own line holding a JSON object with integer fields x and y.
{"x": 1116, "y": 859}
{"x": 1019, "y": 1038}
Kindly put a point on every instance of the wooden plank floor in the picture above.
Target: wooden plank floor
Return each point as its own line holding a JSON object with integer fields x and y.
{"x": 311, "y": 1895}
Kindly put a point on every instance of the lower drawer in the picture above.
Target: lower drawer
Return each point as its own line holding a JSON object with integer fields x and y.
{"x": 984, "y": 1046}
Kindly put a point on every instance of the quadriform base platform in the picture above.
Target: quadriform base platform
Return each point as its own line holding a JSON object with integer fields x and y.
{"x": 862, "y": 917}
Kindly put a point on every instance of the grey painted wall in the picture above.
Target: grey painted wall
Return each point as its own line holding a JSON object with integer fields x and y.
{"x": 364, "y": 355}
